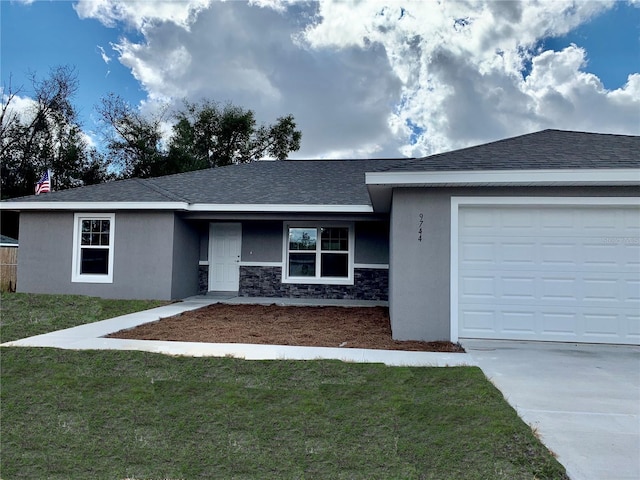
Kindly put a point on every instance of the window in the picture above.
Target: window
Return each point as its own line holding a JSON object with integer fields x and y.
{"x": 319, "y": 254}
{"x": 93, "y": 248}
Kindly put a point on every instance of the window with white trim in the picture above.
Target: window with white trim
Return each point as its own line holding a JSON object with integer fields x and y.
{"x": 93, "y": 247}
{"x": 319, "y": 253}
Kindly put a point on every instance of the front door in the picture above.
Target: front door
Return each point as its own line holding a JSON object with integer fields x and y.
{"x": 225, "y": 240}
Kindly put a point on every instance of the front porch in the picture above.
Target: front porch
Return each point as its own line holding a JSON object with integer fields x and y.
{"x": 234, "y": 298}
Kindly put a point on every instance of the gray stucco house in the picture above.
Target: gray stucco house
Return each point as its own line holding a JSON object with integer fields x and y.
{"x": 534, "y": 237}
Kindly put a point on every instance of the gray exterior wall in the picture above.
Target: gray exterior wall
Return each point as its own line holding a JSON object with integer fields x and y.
{"x": 419, "y": 270}
{"x": 185, "y": 259}
{"x": 143, "y": 256}
{"x": 372, "y": 243}
{"x": 44, "y": 259}
{"x": 419, "y": 277}
{"x": 262, "y": 241}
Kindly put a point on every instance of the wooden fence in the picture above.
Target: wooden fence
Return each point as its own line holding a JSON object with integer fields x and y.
{"x": 8, "y": 268}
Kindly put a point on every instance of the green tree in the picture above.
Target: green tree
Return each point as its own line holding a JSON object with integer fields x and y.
{"x": 203, "y": 135}
{"x": 208, "y": 135}
{"x": 46, "y": 136}
{"x": 133, "y": 141}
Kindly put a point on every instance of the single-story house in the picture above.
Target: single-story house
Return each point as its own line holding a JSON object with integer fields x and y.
{"x": 534, "y": 237}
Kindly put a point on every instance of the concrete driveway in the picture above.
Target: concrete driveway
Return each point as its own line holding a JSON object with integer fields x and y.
{"x": 584, "y": 400}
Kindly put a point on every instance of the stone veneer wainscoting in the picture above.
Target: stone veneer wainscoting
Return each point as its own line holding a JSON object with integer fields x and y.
{"x": 369, "y": 284}
{"x": 203, "y": 279}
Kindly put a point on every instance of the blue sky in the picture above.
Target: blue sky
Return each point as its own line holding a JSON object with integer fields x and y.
{"x": 41, "y": 35}
{"x": 363, "y": 79}
{"x": 612, "y": 42}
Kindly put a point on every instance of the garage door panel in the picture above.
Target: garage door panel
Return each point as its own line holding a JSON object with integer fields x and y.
{"x": 478, "y": 322}
{"x": 632, "y": 327}
{"x": 549, "y": 273}
{"x": 559, "y": 253}
{"x": 478, "y": 253}
{"x": 632, "y": 290}
{"x": 479, "y": 287}
{"x": 603, "y": 290}
{"x": 602, "y": 255}
{"x": 631, "y": 252}
{"x": 602, "y": 325}
{"x": 598, "y": 288}
{"x": 517, "y": 322}
{"x": 549, "y": 324}
{"x": 517, "y": 254}
{"x": 556, "y": 222}
{"x": 515, "y": 222}
{"x": 518, "y": 289}
{"x": 558, "y": 323}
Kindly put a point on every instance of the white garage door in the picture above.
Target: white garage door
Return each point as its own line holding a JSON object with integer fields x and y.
{"x": 558, "y": 273}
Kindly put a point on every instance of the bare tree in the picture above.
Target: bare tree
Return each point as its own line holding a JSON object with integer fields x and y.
{"x": 47, "y": 135}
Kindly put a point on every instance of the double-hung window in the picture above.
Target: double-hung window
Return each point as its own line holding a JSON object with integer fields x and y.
{"x": 319, "y": 253}
{"x": 93, "y": 235}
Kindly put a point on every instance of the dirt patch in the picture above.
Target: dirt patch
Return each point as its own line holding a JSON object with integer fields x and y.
{"x": 346, "y": 327}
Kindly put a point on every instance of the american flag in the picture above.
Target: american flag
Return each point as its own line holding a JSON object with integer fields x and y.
{"x": 44, "y": 185}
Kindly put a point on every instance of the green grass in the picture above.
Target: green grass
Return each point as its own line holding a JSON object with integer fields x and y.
{"x": 115, "y": 415}
{"x": 24, "y": 315}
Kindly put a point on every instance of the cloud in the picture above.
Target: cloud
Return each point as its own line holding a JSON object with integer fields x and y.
{"x": 24, "y": 109}
{"x": 105, "y": 58}
{"x": 141, "y": 14}
{"x": 245, "y": 55}
{"x": 376, "y": 78}
{"x": 21, "y": 107}
{"x": 562, "y": 95}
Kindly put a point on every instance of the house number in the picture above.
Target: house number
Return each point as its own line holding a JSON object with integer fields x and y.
{"x": 421, "y": 217}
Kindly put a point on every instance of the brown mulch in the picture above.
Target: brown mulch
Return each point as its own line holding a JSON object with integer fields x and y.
{"x": 347, "y": 327}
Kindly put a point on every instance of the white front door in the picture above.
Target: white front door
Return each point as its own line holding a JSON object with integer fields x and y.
{"x": 225, "y": 240}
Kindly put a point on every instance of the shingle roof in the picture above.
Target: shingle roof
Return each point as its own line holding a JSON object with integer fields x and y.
{"x": 288, "y": 182}
{"x": 342, "y": 182}
{"x": 548, "y": 149}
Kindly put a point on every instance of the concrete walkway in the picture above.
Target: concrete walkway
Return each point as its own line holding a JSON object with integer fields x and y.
{"x": 91, "y": 337}
{"x": 584, "y": 400}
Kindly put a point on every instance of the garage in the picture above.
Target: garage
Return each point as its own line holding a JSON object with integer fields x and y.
{"x": 548, "y": 269}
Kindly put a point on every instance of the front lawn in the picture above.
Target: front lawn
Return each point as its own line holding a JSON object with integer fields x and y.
{"x": 25, "y": 315}
{"x": 116, "y": 414}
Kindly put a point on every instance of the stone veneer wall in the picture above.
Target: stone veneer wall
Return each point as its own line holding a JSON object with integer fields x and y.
{"x": 369, "y": 284}
{"x": 203, "y": 279}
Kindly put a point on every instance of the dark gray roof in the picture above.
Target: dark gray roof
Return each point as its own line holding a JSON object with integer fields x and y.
{"x": 289, "y": 182}
{"x": 296, "y": 182}
{"x": 130, "y": 190}
{"x": 342, "y": 182}
{"x": 548, "y": 149}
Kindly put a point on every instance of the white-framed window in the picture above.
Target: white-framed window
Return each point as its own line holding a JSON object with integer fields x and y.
{"x": 93, "y": 238}
{"x": 318, "y": 252}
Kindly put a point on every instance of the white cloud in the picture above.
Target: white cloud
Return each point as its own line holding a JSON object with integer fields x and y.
{"x": 105, "y": 58}
{"x": 22, "y": 107}
{"x": 141, "y": 14}
{"x": 563, "y": 96}
{"x": 376, "y": 78}
{"x": 24, "y": 110}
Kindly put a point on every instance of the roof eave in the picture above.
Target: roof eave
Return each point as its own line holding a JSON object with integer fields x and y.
{"x": 380, "y": 184}
{"x": 185, "y": 207}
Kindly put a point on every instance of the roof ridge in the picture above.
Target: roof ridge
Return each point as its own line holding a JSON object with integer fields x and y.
{"x": 502, "y": 141}
{"x": 147, "y": 183}
{"x": 386, "y": 159}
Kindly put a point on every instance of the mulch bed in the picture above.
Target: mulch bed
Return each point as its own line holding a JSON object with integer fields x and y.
{"x": 346, "y": 327}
